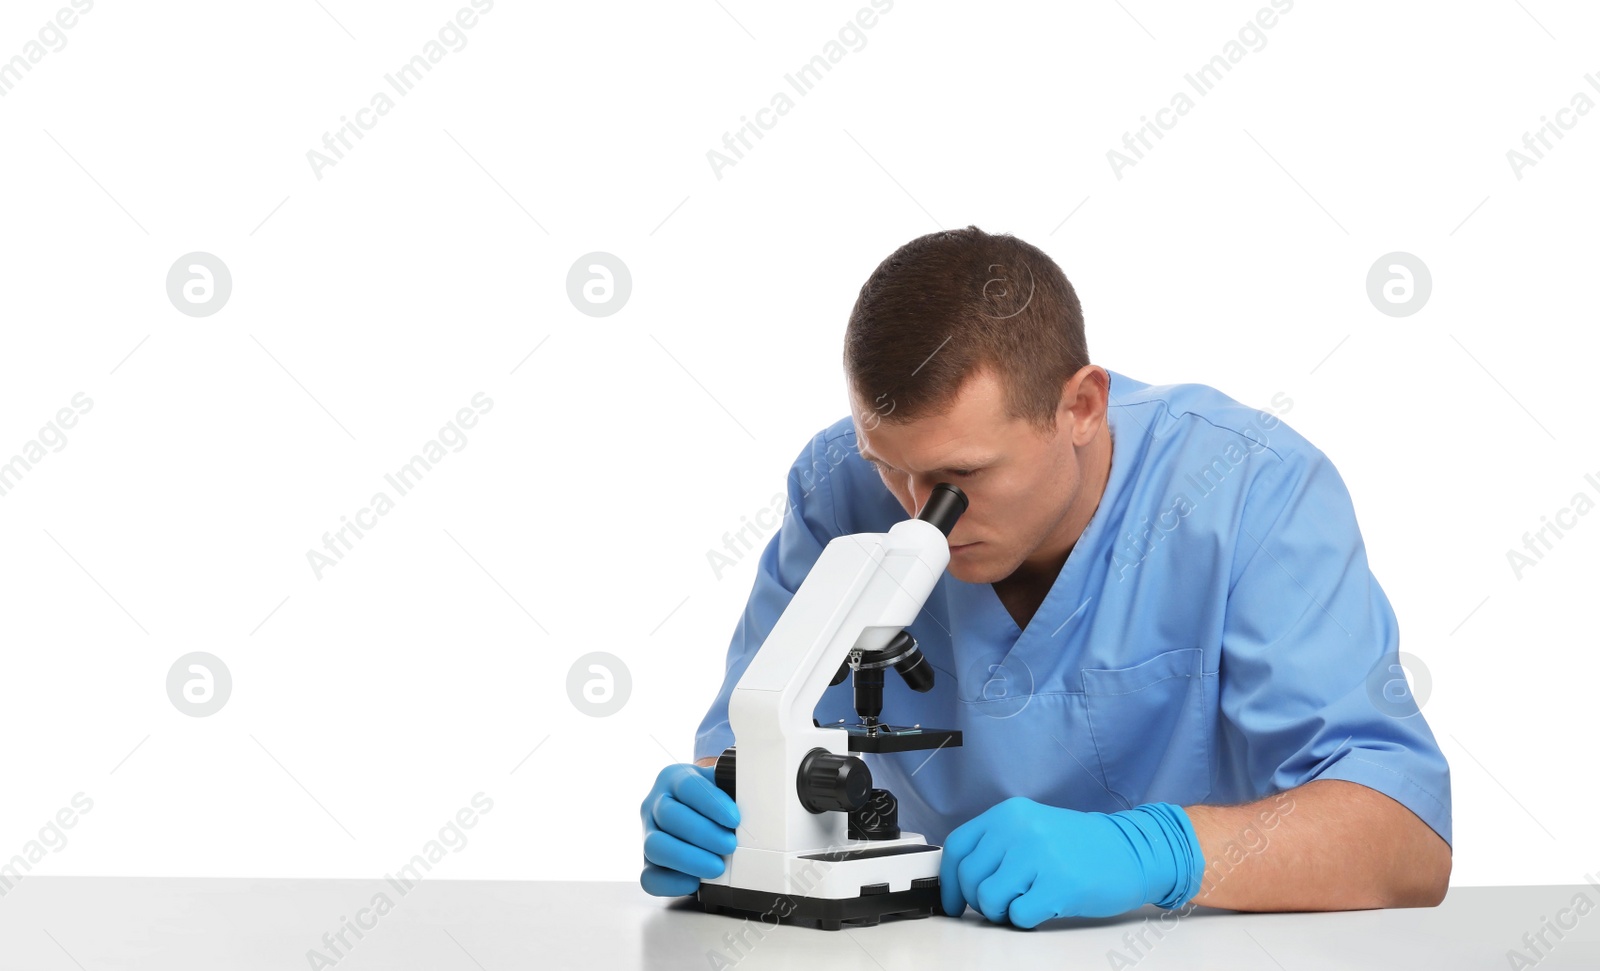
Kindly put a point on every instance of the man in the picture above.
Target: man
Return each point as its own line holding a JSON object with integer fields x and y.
{"x": 1176, "y": 677}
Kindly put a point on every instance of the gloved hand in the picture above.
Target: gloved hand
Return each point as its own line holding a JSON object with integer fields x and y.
{"x": 688, "y": 828}
{"x": 1026, "y": 862}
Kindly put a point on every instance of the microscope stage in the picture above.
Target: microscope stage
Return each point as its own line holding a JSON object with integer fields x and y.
{"x": 892, "y": 738}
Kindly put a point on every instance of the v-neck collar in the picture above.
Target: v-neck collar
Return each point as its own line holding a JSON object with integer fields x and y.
{"x": 1069, "y": 582}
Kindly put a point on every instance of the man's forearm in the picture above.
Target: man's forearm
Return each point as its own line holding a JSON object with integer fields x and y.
{"x": 1326, "y": 845}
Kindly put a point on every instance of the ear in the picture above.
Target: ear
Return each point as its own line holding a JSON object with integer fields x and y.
{"x": 1083, "y": 405}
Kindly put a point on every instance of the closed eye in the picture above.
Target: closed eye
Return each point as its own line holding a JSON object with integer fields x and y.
{"x": 962, "y": 473}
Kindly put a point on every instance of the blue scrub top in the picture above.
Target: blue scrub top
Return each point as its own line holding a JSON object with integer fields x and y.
{"x": 1215, "y": 635}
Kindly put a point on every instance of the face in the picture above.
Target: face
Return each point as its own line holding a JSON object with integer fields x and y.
{"x": 1025, "y": 489}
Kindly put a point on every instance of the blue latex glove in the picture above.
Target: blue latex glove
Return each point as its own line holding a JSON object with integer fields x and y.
{"x": 1026, "y": 862}
{"x": 688, "y": 828}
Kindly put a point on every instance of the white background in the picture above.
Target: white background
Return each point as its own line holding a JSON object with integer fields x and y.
{"x": 371, "y": 304}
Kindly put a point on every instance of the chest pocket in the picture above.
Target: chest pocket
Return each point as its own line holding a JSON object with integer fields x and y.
{"x": 1151, "y": 725}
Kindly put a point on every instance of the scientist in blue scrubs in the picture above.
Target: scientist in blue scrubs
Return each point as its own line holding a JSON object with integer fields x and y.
{"x": 1176, "y": 678}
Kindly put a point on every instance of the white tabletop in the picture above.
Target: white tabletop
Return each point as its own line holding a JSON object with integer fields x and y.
{"x": 177, "y": 924}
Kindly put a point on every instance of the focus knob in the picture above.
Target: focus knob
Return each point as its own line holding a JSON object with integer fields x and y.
{"x": 726, "y": 771}
{"x": 829, "y": 782}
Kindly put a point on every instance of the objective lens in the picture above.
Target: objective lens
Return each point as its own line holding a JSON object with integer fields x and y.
{"x": 916, "y": 670}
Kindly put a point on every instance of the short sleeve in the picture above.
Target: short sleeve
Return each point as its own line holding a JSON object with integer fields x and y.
{"x": 1310, "y": 652}
{"x": 809, "y": 522}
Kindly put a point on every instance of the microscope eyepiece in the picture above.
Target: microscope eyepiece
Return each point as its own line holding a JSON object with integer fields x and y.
{"x": 944, "y": 506}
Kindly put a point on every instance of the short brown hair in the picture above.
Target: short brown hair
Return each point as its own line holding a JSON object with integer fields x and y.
{"x": 948, "y": 303}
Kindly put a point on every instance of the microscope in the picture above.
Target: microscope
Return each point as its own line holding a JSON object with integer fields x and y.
{"x": 818, "y": 845}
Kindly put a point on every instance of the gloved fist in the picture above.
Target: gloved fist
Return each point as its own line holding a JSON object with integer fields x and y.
{"x": 1026, "y": 862}
{"x": 688, "y": 828}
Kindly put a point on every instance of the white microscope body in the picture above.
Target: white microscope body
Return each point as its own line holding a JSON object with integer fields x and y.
{"x": 801, "y": 793}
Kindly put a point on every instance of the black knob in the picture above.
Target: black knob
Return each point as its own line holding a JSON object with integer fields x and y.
{"x": 727, "y": 770}
{"x": 879, "y": 819}
{"x": 828, "y": 782}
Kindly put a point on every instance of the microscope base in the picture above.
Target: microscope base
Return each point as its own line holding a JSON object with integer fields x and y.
{"x": 876, "y": 902}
